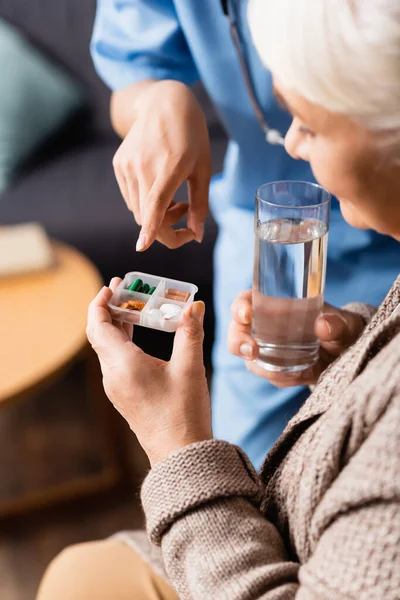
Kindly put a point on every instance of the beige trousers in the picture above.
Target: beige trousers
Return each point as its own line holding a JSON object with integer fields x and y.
{"x": 105, "y": 570}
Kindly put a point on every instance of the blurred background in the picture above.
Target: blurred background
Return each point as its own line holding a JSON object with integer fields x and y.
{"x": 69, "y": 468}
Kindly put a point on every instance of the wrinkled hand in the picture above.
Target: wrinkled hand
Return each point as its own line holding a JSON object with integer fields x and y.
{"x": 166, "y": 404}
{"x": 336, "y": 329}
{"x": 167, "y": 145}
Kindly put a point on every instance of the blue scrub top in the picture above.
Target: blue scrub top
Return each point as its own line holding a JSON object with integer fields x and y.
{"x": 189, "y": 40}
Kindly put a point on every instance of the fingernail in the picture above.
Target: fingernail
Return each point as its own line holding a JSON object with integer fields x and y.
{"x": 141, "y": 243}
{"x": 244, "y": 315}
{"x": 197, "y": 312}
{"x": 328, "y": 326}
{"x": 246, "y": 350}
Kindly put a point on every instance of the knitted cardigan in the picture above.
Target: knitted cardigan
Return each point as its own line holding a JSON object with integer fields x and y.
{"x": 322, "y": 519}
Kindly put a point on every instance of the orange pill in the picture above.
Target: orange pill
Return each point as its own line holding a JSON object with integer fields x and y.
{"x": 133, "y": 305}
{"x": 178, "y": 295}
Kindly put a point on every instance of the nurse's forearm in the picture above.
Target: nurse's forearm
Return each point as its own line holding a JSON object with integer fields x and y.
{"x": 123, "y": 103}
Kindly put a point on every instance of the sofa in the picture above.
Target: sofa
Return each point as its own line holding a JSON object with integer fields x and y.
{"x": 68, "y": 184}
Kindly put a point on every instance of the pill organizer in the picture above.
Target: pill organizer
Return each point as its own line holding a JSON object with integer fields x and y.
{"x": 150, "y": 301}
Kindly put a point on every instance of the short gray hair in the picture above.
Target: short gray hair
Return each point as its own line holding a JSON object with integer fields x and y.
{"x": 343, "y": 55}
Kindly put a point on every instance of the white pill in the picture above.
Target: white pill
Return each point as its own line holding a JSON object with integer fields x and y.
{"x": 170, "y": 311}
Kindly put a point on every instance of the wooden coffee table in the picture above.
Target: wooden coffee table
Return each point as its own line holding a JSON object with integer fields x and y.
{"x": 42, "y": 334}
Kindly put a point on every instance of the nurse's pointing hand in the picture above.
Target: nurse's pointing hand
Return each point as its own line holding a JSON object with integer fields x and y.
{"x": 166, "y": 144}
{"x": 336, "y": 329}
{"x": 166, "y": 404}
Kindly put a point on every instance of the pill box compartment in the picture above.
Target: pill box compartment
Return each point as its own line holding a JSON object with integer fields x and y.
{"x": 164, "y": 314}
{"x": 130, "y": 278}
{"x": 127, "y": 315}
{"x": 159, "y": 312}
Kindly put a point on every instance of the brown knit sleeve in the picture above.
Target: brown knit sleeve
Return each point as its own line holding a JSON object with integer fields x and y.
{"x": 201, "y": 473}
{"x": 202, "y": 505}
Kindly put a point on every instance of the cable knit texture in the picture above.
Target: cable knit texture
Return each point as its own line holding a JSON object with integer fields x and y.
{"x": 322, "y": 520}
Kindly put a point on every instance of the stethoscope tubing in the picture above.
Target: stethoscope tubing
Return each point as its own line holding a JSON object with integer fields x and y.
{"x": 272, "y": 136}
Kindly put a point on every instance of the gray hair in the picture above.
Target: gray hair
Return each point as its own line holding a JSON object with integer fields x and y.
{"x": 343, "y": 55}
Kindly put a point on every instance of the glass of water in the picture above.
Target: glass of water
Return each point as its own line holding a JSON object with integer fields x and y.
{"x": 291, "y": 239}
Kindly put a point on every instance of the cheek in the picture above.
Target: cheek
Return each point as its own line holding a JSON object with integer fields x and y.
{"x": 335, "y": 170}
{"x": 343, "y": 177}
{"x": 349, "y": 177}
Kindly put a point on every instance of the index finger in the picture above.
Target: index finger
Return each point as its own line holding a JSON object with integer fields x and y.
{"x": 100, "y": 331}
{"x": 98, "y": 308}
{"x": 156, "y": 205}
{"x": 98, "y": 311}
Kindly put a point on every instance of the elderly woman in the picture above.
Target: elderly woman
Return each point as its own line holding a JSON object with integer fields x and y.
{"x": 322, "y": 519}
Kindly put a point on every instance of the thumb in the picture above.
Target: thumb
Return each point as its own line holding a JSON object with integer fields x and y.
{"x": 188, "y": 344}
{"x": 155, "y": 203}
{"x": 338, "y": 331}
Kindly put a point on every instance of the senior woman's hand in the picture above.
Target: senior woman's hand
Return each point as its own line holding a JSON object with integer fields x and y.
{"x": 166, "y": 404}
{"x": 336, "y": 329}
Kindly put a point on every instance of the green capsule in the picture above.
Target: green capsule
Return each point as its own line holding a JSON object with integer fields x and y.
{"x": 152, "y": 290}
{"x": 136, "y": 286}
{"x": 145, "y": 289}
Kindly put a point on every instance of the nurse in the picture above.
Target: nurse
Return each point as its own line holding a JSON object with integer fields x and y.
{"x": 150, "y": 53}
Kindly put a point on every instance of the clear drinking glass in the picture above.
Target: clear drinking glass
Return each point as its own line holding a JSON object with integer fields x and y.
{"x": 291, "y": 239}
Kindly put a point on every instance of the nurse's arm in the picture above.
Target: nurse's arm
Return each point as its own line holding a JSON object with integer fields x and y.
{"x": 139, "y": 48}
{"x": 166, "y": 144}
